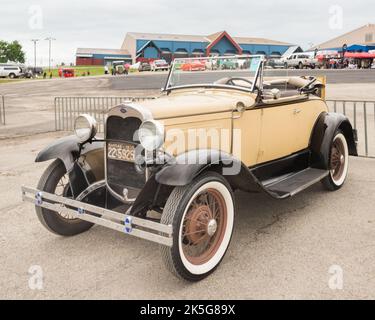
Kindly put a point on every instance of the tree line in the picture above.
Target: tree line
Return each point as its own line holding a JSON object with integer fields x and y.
{"x": 11, "y": 51}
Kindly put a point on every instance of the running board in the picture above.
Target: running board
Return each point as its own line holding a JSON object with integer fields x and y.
{"x": 290, "y": 185}
{"x": 141, "y": 228}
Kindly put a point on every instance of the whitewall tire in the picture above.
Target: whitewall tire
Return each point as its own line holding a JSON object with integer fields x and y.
{"x": 202, "y": 216}
{"x": 339, "y": 163}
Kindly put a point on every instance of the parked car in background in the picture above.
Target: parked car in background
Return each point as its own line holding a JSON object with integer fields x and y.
{"x": 228, "y": 64}
{"x": 37, "y": 71}
{"x": 31, "y": 72}
{"x": 275, "y": 63}
{"x": 10, "y": 71}
{"x": 145, "y": 66}
{"x": 193, "y": 66}
{"x": 161, "y": 65}
{"x": 66, "y": 73}
{"x": 301, "y": 61}
{"x": 120, "y": 67}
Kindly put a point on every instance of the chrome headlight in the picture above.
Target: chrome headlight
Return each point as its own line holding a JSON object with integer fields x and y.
{"x": 151, "y": 135}
{"x": 85, "y": 127}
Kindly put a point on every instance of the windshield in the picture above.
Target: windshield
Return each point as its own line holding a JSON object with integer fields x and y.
{"x": 238, "y": 71}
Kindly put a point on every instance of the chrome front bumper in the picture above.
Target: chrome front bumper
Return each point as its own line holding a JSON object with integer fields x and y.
{"x": 137, "y": 227}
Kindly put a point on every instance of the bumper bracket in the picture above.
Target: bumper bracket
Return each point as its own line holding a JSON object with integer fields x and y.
{"x": 137, "y": 227}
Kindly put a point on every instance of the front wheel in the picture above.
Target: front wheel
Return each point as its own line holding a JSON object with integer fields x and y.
{"x": 202, "y": 217}
{"x": 55, "y": 180}
{"x": 339, "y": 163}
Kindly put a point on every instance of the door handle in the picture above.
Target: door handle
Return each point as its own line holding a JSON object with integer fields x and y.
{"x": 297, "y": 111}
{"x": 238, "y": 115}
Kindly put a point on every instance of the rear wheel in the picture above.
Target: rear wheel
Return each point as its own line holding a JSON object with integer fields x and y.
{"x": 300, "y": 65}
{"x": 339, "y": 163}
{"x": 55, "y": 180}
{"x": 202, "y": 216}
{"x": 12, "y": 75}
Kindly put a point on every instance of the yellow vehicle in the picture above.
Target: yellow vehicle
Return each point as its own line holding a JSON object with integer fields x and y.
{"x": 167, "y": 168}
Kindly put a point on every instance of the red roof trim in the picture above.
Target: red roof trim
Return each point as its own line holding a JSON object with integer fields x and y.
{"x": 221, "y": 36}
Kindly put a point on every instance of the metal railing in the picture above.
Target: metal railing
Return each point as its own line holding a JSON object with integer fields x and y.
{"x": 2, "y": 110}
{"x": 360, "y": 113}
{"x": 68, "y": 108}
{"x": 362, "y": 117}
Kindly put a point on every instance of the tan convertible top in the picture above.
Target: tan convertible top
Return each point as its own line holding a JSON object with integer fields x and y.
{"x": 298, "y": 82}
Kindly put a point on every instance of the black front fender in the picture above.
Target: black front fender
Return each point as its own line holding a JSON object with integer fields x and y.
{"x": 67, "y": 149}
{"x": 187, "y": 166}
{"x": 184, "y": 169}
{"x": 323, "y": 134}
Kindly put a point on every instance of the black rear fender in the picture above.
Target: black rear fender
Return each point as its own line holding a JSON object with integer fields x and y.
{"x": 323, "y": 134}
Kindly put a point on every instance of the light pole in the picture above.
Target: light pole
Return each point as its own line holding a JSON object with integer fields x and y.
{"x": 49, "y": 39}
{"x": 35, "y": 41}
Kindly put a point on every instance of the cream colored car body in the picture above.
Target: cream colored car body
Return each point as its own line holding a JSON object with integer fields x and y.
{"x": 268, "y": 131}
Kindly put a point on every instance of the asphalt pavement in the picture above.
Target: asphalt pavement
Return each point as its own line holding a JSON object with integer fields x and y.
{"x": 318, "y": 245}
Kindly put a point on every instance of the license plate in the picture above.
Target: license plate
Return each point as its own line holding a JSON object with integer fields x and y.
{"x": 121, "y": 151}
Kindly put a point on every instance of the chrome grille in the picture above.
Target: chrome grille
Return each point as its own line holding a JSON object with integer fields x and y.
{"x": 122, "y": 174}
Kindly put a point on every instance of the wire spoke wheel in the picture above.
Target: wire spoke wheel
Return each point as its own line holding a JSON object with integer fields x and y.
{"x": 338, "y": 159}
{"x": 202, "y": 216}
{"x": 55, "y": 180}
{"x": 63, "y": 189}
{"x": 338, "y": 163}
{"x": 204, "y": 226}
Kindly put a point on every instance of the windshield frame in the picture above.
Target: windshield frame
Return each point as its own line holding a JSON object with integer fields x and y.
{"x": 257, "y": 76}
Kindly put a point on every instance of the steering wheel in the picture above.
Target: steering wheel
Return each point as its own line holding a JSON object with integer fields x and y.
{"x": 231, "y": 81}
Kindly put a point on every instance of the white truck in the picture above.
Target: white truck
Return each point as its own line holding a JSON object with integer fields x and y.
{"x": 301, "y": 61}
{"x": 10, "y": 70}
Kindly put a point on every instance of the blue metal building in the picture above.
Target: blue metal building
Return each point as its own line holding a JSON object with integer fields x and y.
{"x": 169, "y": 46}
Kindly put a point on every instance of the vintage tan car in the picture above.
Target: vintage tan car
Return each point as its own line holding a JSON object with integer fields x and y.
{"x": 167, "y": 168}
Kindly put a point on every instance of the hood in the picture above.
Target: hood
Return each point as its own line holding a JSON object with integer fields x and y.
{"x": 183, "y": 103}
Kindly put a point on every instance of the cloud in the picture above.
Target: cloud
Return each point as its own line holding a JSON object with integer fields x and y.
{"x": 104, "y": 24}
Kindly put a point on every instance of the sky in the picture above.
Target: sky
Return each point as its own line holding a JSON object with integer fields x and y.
{"x": 104, "y": 24}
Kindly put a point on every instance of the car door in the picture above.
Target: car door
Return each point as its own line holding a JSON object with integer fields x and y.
{"x": 286, "y": 129}
{"x": 292, "y": 61}
{"x": 278, "y": 132}
{"x": 246, "y": 135}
